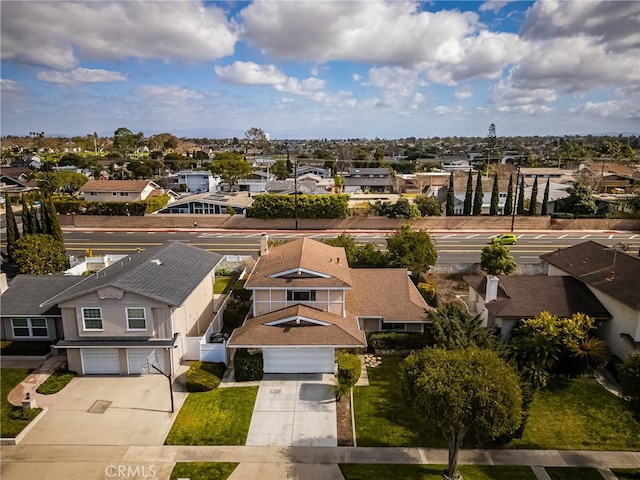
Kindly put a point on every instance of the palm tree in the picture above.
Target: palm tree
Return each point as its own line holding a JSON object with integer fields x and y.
{"x": 586, "y": 355}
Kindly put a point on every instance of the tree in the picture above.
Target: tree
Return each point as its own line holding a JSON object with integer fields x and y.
{"x": 455, "y": 328}
{"x": 496, "y": 259}
{"x": 508, "y": 204}
{"x": 40, "y": 255}
{"x": 421, "y": 182}
{"x": 495, "y": 196}
{"x": 520, "y": 205}
{"x": 585, "y": 355}
{"x": 348, "y": 242}
{"x": 231, "y": 167}
{"x": 412, "y": 249}
{"x": 140, "y": 169}
{"x": 579, "y": 202}
{"x": 124, "y": 142}
{"x": 280, "y": 169}
{"x": 492, "y": 141}
{"x": 629, "y": 374}
{"x": 450, "y": 206}
{"x": 533, "y": 203}
{"x": 51, "y": 226}
{"x": 339, "y": 183}
{"x": 359, "y": 255}
{"x": 428, "y": 206}
{"x": 257, "y": 138}
{"x": 12, "y": 229}
{"x": 477, "y": 199}
{"x": 545, "y": 199}
{"x": 28, "y": 220}
{"x": 459, "y": 391}
{"x": 468, "y": 196}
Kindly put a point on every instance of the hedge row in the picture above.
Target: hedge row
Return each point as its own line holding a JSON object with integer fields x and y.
{"x": 399, "y": 340}
{"x": 248, "y": 366}
{"x": 349, "y": 369}
{"x": 270, "y": 206}
{"x": 204, "y": 376}
{"x": 65, "y": 206}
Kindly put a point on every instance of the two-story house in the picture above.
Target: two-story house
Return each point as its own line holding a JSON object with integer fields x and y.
{"x": 195, "y": 181}
{"x": 122, "y": 190}
{"x": 137, "y": 311}
{"x": 307, "y": 302}
{"x": 368, "y": 179}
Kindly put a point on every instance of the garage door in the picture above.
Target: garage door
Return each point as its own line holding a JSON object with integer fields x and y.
{"x": 100, "y": 361}
{"x": 298, "y": 360}
{"x": 137, "y": 358}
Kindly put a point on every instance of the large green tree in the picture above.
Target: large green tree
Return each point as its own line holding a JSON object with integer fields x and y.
{"x": 455, "y": 328}
{"x": 412, "y": 249}
{"x": 428, "y": 206}
{"x": 12, "y": 228}
{"x": 124, "y": 142}
{"x": 450, "y": 205}
{"x": 545, "y": 200}
{"x": 40, "y": 255}
{"x": 580, "y": 201}
{"x": 533, "y": 203}
{"x": 462, "y": 391}
{"x": 231, "y": 167}
{"x": 508, "y": 204}
{"x": 495, "y": 196}
{"x": 280, "y": 169}
{"x": 477, "y": 199}
{"x": 496, "y": 259}
{"x": 468, "y": 196}
{"x": 520, "y": 206}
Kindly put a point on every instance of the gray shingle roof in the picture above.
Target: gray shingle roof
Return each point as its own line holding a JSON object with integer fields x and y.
{"x": 180, "y": 269}
{"x": 27, "y": 292}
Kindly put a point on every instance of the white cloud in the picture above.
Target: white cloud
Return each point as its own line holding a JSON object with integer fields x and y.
{"x": 447, "y": 109}
{"x": 463, "y": 94}
{"x": 494, "y": 5}
{"x": 81, "y": 75}
{"x": 626, "y": 109}
{"x": 249, "y": 73}
{"x": 168, "y": 93}
{"x": 507, "y": 97}
{"x": 58, "y": 34}
{"x": 10, "y": 87}
{"x": 356, "y": 77}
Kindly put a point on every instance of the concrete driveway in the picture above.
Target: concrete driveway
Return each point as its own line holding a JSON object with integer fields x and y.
{"x": 295, "y": 410}
{"x": 109, "y": 411}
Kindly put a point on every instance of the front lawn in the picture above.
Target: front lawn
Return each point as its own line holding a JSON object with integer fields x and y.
{"x": 579, "y": 415}
{"x": 219, "y": 417}
{"x": 56, "y": 381}
{"x": 26, "y": 348}
{"x": 203, "y": 470}
{"x": 433, "y": 472}
{"x": 565, "y": 473}
{"x": 13, "y": 419}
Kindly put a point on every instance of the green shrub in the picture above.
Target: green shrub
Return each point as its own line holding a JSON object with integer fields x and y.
{"x": 428, "y": 292}
{"x": 309, "y": 206}
{"x": 349, "y": 369}
{"x": 248, "y": 366}
{"x": 629, "y": 374}
{"x": 232, "y": 318}
{"x": 56, "y": 381}
{"x": 399, "y": 340}
{"x": 239, "y": 292}
{"x": 19, "y": 414}
{"x": 204, "y": 376}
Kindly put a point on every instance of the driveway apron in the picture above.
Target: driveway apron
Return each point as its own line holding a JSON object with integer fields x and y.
{"x": 295, "y": 410}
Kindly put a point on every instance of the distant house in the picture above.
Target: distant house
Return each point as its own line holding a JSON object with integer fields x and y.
{"x": 379, "y": 180}
{"x": 211, "y": 203}
{"x": 254, "y": 183}
{"x": 195, "y": 182}
{"x": 310, "y": 169}
{"x": 15, "y": 180}
{"x": 123, "y": 190}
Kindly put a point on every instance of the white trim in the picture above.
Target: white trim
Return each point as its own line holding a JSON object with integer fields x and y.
{"x": 144, "y": 311}
{"x": 84, "y": 324}
{"x": 29, "y": 326}
{"x": 298, "y": 270}
{"x": 297, "y": 318}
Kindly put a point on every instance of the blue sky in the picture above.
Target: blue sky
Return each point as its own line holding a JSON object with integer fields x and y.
{"x": 315, "y": 69}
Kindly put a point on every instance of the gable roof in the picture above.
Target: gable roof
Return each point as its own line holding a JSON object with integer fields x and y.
{"x": 527, "y": 295}
{"x": 610, "y": 271}
{"x": 27, "y": 292}
{"x": 168, "y": 273}
{"x": 306, "y": 255}
{"x": 116, "y": 185}
{"x": 335, "y": 330}
{"x": 387, "y": 293}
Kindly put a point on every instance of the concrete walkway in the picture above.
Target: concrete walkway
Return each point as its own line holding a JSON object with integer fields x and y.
{"x": 34, "y": 380}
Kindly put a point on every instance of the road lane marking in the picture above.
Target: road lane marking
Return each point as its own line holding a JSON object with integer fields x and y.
{"x": 632, "y": 236}
{"x": 540, "y": 236}
{"x": 584, "y": 236}
{"x": 610, "y": 237}
{"x": 447, "y": 236}
{"x": 561, "y": 236}
{"x": 471, "y": 236}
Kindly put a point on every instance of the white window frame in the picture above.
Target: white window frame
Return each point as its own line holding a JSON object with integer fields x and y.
{"x": 84, "y": 320}
{"x": 30, "y": 327}
{"x": 144, "y": 317}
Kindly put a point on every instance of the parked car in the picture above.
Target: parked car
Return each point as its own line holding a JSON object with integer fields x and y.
{"x": 504, "y": 239}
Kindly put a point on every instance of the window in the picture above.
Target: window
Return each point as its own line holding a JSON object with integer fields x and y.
{"x": 393, "y": 326}
{"x": 124, "y": 194}
{"x": 114, "y": 193}
{"x": 93, "y": 194}
{"x": 92, "y": 318}
{"x": 29, "y": 327}
{"x": 301, "y": 295}
{"x": 136, "y": 319}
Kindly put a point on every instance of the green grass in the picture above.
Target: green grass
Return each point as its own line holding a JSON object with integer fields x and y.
{"x": 565, "y": 473}
{"x": 222, "y": 284}
{"x": 433, "y": 472}
{"x": 10, "y": 426}
{"x": 579, "y": 415}
{"x": 56, "y": 381}
{"x": 203, "y": 470}
{"x": 219, "y": 417}
{"x": 627, "y": 473}
{"x": 29, "y": 348}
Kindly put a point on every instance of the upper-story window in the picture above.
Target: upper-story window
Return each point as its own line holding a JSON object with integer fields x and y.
{"x": 29, "y": 327}
{"x": 92, "y": 318}
{"x": 136, "y": 319}
{"x": 124, "y": 194}
{"x": 301, "y": 295}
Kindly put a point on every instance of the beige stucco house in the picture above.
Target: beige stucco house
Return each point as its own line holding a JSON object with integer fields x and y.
{"x": 122, "y": 190}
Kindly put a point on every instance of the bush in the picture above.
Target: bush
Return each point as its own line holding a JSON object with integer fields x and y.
{"x": 239, "y": 292}
{"x": 248, "y": 366}
{"x": 349, "y": 369}
{"x": 232, "y": 318}
{"x": 629, "y": 374}
{"x": 204, "y": 376}
{"x": 269, "y": 206}
{"x": 19, "y": 414}
{"x": 56, "y": 381}
{"x": 399, "y": 340}
{"x": 428, "y": 292}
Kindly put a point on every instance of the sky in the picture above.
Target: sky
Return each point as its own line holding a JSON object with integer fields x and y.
{"x": 321, "y": 69}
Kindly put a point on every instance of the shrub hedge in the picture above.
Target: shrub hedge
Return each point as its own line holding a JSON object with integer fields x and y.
{"x": 248, "y": 366}
{"x": 269, "y": 206}
{"x": 349, "y": 369}
{"x": 204, "y": 376}
{"x": 428, "y": 292}
{"x": 67, "y": 205}
{"x": 399, "y": 340}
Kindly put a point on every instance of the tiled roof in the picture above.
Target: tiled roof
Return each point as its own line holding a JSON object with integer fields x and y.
{"x": 340, "y": 331}
{"x": 387, "y": 293}
{"x": 611, "y": 271}
{"x": 306, "y": 254}
{"x": 168, "y": 273}
{"x": 115, "y": 186}
{"x": 527, "y": 295}
{"x": 27, "y": 292}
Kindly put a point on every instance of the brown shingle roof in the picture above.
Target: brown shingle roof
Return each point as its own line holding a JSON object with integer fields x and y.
{"x": 115, "y": 186}
{"x": 612, "y": 272}
{"x": 387, "y": 293}
{"x": 340, "y": 331}
{"x": 306, "y": 254}
{"x": 525, "y": 296}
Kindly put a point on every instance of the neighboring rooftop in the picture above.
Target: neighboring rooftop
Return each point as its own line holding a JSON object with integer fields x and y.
{"x": 27, "y": 292}
{"x": 115, "y": 185}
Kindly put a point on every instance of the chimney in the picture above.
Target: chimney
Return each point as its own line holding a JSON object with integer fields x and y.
{"x": 3, "y": 283}
{"x": 492, "y": 289}
{"x": 264, "y": 244}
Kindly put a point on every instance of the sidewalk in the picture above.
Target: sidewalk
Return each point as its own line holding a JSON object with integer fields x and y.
{"x": 31, "y": 383}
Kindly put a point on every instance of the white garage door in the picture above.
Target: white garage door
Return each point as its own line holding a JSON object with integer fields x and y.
{"x": 100, "y": 361}
{"x": 298, "y": 360}
{"x": 137, "y": 358}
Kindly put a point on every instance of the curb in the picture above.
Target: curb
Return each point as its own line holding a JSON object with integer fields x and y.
{"x": 18, "y": 438}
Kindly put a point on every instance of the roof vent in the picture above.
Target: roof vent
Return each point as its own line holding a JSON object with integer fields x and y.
{"x": 156, "y": 261}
